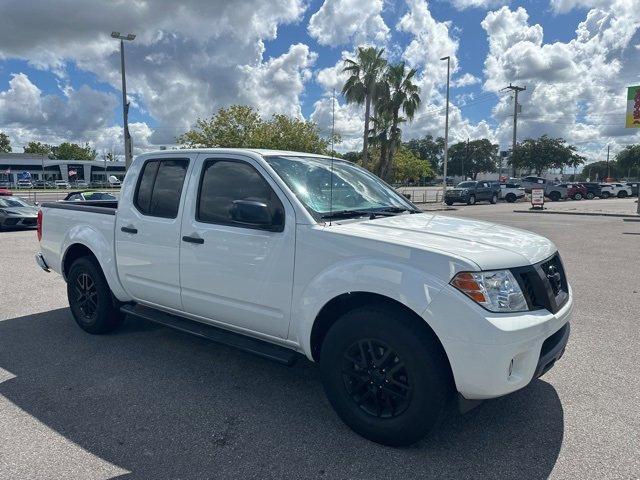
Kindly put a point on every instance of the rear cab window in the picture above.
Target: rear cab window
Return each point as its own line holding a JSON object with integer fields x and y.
{"x": 160, "y": 187}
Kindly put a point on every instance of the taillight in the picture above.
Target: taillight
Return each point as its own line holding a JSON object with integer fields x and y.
{"x": 39, "y": 231}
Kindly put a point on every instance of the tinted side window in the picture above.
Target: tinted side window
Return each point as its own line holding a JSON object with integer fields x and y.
{"x": 225, "y": 181}
{"x": 160, "y": 187}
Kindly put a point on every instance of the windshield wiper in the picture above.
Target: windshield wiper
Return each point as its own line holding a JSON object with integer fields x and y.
{"x": 345, "y": 214}
{"x": 389, "y": 211}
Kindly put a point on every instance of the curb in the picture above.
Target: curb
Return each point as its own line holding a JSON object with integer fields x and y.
{"x": 589, "y": 214}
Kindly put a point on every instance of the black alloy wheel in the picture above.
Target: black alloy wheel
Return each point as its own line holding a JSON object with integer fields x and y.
{"x": 376, "y": 378}
{"x": 86, "y": 296}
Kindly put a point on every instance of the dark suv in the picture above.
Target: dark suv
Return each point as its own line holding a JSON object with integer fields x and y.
{"x": 593, "y": 189}
{"x": 471, "y": 192}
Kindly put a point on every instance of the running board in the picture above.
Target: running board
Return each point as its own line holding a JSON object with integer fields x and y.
{"x": 261, "y": 348}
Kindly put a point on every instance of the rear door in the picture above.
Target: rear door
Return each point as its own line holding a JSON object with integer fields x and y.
{"x": 148, "y": 231}
{"x": 232, "y": 273}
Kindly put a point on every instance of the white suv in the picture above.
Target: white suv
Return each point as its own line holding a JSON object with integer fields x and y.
{"x": 615, "y": 190}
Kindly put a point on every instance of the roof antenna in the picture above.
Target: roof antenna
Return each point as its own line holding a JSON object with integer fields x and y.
{"x": 333, "y": 129}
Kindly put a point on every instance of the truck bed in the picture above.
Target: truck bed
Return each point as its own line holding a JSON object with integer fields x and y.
{"x": 107, "y": 207}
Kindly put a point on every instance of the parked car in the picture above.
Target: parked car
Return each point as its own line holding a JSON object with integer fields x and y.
{"x": 593, "y": 190}
{"x": 616, "y": 189}
{"x": 62, "y": 184}
{"x": 556, "y": 192}
{"x": 80, "y": 184}
{"x": 530, "y": 182}
{"x": 89, "y": 195}
{"x": 576, "y": 191}
{"x": 401, "y": 308}
{"x": 634, "y": 188}
{"x": 5, "y": 192}
{"x": 471, "y": 192}
{"x": 5, "y": 184}
{"x": 511, "y": 192}
{"x": 24, "y": 184}
{"x": 17, "y": 213}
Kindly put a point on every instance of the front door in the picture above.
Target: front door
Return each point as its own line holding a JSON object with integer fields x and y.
{"x": 231, "y": 272}
{"x": 148, "y": 231}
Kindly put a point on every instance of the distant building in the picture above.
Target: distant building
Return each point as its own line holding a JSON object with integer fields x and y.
{"x": 14, "y": 165}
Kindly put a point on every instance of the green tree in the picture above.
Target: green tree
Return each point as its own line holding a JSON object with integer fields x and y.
{"x": 5, "y": 144}
{"x": 232, "y": 127}
{"x": 365, "y": 75}
{"x": 428, "y": 149}
{"x": 476, "y": 156}
{"x": 540, "y": 154}
{"x": 600, "y": 170}
{"x": 355, "y": 157}
{"x": 282, "y": 132}
{"x": 37, "y": 148}
{"x": 241, "y": 127}
{"x": 73, "y": 151}
{"x": 398, "y": 92}
{"x": 628, "y": 161}
{"x": 408, "y": 166}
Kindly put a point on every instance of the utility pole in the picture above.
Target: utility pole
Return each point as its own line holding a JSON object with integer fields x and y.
{"x": 128, "y": 149}
{"x": 608, "y": 168}
{"x": 515, "y": 89}
{"x": 466, "y": 156}
{"x": 446, "y": 132}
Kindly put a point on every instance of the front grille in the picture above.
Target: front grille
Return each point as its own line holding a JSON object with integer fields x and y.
{"x": 544, "y": 284}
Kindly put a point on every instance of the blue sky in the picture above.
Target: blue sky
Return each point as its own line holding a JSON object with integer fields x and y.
{"x": 60, "y": 82}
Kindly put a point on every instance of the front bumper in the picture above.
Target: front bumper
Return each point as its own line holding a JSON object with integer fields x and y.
{"x": 495, "y": 354}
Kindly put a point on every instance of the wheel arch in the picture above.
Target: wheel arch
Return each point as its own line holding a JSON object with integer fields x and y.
{"x": 341, "y": 304}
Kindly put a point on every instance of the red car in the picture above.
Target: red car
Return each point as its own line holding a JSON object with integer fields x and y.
{"x": 576, "y": 191}
{"x": 5, "y": 193}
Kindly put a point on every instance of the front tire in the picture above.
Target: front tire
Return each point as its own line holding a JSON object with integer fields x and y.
{"x": 384, "y": 375}
{"x": 590, "y": 196}
{"x": 448, "y": 202}
{"x": 472, "y": 200}
{"x": 90, "y": 299}
{"x": 494, "y": 199}
{"x": 577, "y": 196}
{"x": 554, "y": 196}
{"x": 511, "y": 197}
{"x": 622, "y": 194}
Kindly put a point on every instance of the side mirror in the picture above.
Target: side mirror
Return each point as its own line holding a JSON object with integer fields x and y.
{"x": 256, "y": 214}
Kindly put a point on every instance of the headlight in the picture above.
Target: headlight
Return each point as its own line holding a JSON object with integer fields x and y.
{"x": 497, "y": 291}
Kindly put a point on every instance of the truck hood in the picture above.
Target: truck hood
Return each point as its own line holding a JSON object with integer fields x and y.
{"x": 488, "y": 245}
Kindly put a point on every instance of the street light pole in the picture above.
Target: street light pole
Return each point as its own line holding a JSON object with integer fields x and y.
{"x": 446, "y": 132}
{"x": 128, "y": 149}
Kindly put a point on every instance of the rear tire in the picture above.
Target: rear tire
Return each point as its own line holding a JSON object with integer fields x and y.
{"x": 511, "y": 197}
{"x": 622, "y": 194}
{"x": 577, "y": 196}
{"x": 448, "y": 202}
{"x": 590, "y": 196}
{"x": 494, "y": 199}
{"x": 91, "y": 302}
{"x": 554, "y": 196}
{"x": 605, "y": 195}
{"x": 385, "y": 376}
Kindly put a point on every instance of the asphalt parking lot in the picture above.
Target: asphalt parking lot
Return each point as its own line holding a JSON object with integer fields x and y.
{"x": 152, "y": 403}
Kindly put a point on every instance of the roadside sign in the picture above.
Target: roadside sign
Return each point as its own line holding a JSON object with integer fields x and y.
{"x": 537, "y": 198}
{"x": 633, "y": 107}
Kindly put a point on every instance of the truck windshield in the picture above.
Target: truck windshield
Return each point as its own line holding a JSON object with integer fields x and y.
{"x": 354, "y": 188}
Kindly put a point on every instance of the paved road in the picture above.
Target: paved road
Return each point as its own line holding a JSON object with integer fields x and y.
{"x": 151, "y": 403}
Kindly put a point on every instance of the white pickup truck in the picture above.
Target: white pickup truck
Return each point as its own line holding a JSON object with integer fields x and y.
{"x": 282, "y": 253}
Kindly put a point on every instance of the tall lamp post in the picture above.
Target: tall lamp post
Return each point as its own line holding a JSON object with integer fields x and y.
{"x": 446, "y": 132}
{"x": 128, "y": 155}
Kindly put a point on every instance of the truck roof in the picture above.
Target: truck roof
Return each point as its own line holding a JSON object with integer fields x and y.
{"x": 259, "y": 151}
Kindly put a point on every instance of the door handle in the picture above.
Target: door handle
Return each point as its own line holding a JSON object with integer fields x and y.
{"x": 189, "y": 239}
{"x": 129, "y": 230}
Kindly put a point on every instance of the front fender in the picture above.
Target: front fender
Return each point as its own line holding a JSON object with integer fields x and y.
{"x": 102, "y": 248}
{"x": 408, "y": 285}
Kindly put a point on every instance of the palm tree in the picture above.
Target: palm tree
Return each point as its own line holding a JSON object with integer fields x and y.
{"x": 365, "y": 74}
{"x": 400, "y": 93}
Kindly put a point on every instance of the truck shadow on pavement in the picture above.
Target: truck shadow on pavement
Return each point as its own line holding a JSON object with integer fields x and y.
{"x": 162, "y": 404}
